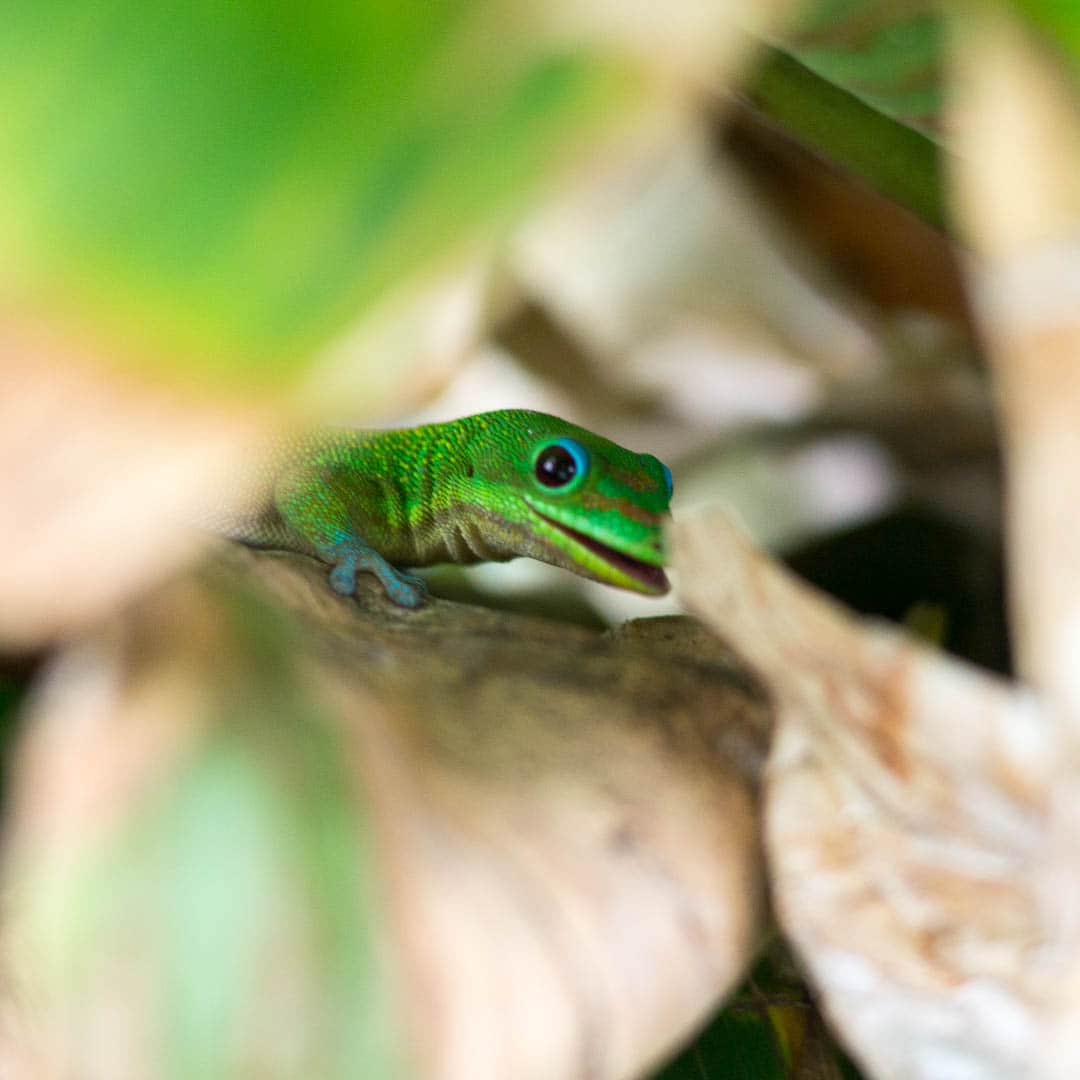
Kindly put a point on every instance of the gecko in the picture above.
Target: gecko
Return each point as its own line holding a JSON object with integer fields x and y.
{"x": 488, "y": 487}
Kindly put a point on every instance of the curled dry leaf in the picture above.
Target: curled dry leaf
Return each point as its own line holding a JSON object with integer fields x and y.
{"x": 920, "y": 854}
{"x": 562, "y": 822}
{"x": 95, "y": 473}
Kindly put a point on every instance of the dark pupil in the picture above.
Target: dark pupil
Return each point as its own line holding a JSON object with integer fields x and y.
{"x": 555, "y": 467}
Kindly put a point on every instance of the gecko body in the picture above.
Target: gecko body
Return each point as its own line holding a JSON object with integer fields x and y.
{"x": 488, "y": 487}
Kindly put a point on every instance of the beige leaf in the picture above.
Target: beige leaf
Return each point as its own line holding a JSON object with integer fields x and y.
{"x": 96, "y": 472}
{"x": 919, "y": 858}
{"x": 563, "y": 824}
{"x": 1017, "y": 126}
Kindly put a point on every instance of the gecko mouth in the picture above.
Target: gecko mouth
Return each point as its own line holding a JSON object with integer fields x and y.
{"x": 651, "y": 577}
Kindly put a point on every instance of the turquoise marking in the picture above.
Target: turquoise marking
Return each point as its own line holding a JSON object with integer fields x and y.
{"x": 580, "y": 456}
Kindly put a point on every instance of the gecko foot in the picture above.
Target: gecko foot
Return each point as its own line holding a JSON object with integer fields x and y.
{"x": 405, "y": 590}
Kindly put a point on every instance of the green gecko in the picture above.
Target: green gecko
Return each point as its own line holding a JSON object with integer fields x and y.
{"x": 483, "y": 488}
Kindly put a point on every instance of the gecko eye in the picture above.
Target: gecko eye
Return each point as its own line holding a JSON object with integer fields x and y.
{"x": 668, "y": 482}
{"x": 559, "y": 464}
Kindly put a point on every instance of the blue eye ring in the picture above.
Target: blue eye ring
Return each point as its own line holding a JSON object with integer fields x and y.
{"x": 560, "y": 465}
{"x": 668, "y": 482}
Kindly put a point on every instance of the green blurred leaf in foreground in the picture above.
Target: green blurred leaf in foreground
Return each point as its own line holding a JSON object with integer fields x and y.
{"x": 859, "y": 81}
{"x": 217, "y": 187}
{"x": 225, "y": 913}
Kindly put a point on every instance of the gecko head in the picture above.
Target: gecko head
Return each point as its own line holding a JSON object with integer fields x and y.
{"x": 578, "y": 500}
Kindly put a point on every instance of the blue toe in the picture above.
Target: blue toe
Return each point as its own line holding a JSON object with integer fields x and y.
{"x": 343, "y": 580}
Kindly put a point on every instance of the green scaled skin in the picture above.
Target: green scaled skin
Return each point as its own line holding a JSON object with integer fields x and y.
{"x": 488, "y": 487}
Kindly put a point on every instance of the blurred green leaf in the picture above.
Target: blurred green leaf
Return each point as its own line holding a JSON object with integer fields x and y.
{"x": 887, "y": 55}
{"x": 1060, "y": 21}
{"x": 219, "y": 863}
{"x": 742, "y": 1042}
{"x": 859, "y": 81}
{"x": 14, "y": 684}
{"x": 737, "y": 1045}
{"x": 12, "y": 689}
{"x": 219, "y": 186}
{"x": 242, "y": 883}
{"x": 761, "y": 1032}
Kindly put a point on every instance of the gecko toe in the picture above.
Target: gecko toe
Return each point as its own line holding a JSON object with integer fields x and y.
{"x": 409, "y": 592}
{"x": 343, "y": 580}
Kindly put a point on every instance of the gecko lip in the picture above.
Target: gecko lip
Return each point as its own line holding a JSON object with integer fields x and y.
{"x": 652, "y": 577}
